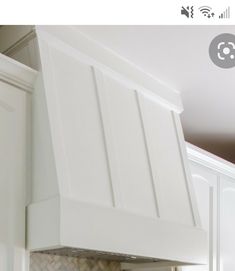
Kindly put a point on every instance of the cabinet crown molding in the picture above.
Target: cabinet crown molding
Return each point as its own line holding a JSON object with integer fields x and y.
{"x": 17, "y": 74}
{"x": 210, "y": 160}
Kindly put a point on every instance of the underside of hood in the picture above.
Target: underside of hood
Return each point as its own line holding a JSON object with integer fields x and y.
{"x": 110, "y": 173}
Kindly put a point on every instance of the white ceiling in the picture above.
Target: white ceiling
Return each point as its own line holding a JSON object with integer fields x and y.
{"x": 178, "y": 55}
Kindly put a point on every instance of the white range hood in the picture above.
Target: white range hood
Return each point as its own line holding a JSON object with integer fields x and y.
{"x": 110, "y": 173}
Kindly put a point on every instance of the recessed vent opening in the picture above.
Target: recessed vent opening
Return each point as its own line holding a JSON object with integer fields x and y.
{"x": 92, "y": 254}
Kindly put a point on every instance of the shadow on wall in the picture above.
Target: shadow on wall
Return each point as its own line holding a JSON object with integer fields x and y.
{"x": 219, "y": 145}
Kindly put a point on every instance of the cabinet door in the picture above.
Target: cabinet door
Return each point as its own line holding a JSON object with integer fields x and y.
{"x": 205, "y": 186}
{"x": 227, "y": 224}
{"x": 12, "y": 178}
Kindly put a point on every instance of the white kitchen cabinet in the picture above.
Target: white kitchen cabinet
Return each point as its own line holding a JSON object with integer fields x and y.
{"x": 15, "y": 85}
{"x": 227, "y": 223}
{"x": 214, "y": 184}
{"x": 205, "y": 186}
{"x": 12, "y": 179}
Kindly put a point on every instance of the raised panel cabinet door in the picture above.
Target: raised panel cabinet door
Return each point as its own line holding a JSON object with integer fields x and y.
{"x": 12, "y": 178}
{"x": 227, "y": 224}
{"x": 205, "y": 187}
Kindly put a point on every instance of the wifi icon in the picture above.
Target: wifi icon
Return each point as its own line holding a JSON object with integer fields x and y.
{"x": 207, "y": 11}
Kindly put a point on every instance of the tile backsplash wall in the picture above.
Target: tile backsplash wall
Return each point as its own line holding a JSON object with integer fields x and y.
{"x": 46, "y": 262}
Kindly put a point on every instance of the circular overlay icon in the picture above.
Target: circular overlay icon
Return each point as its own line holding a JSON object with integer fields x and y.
{"x": 222, "y": 51}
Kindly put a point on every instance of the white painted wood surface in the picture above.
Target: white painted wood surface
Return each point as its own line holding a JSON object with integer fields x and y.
{"x": 89, "y": 226}
{"x": 227, "y": 223}
{"x": 115, "y": 146}
{"x": 206, "y": 184}
{"x": 214, "y": 182}
{"x": 15, "y": 84}
{"x": 128, "y": 138}
{"x": 212, "y": 176}
{"x": 12, "y": 178}
{"x": 166, "y": 163}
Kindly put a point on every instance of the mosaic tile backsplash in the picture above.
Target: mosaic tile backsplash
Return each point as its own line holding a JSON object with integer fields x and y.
{"x": 46, "y": 262}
